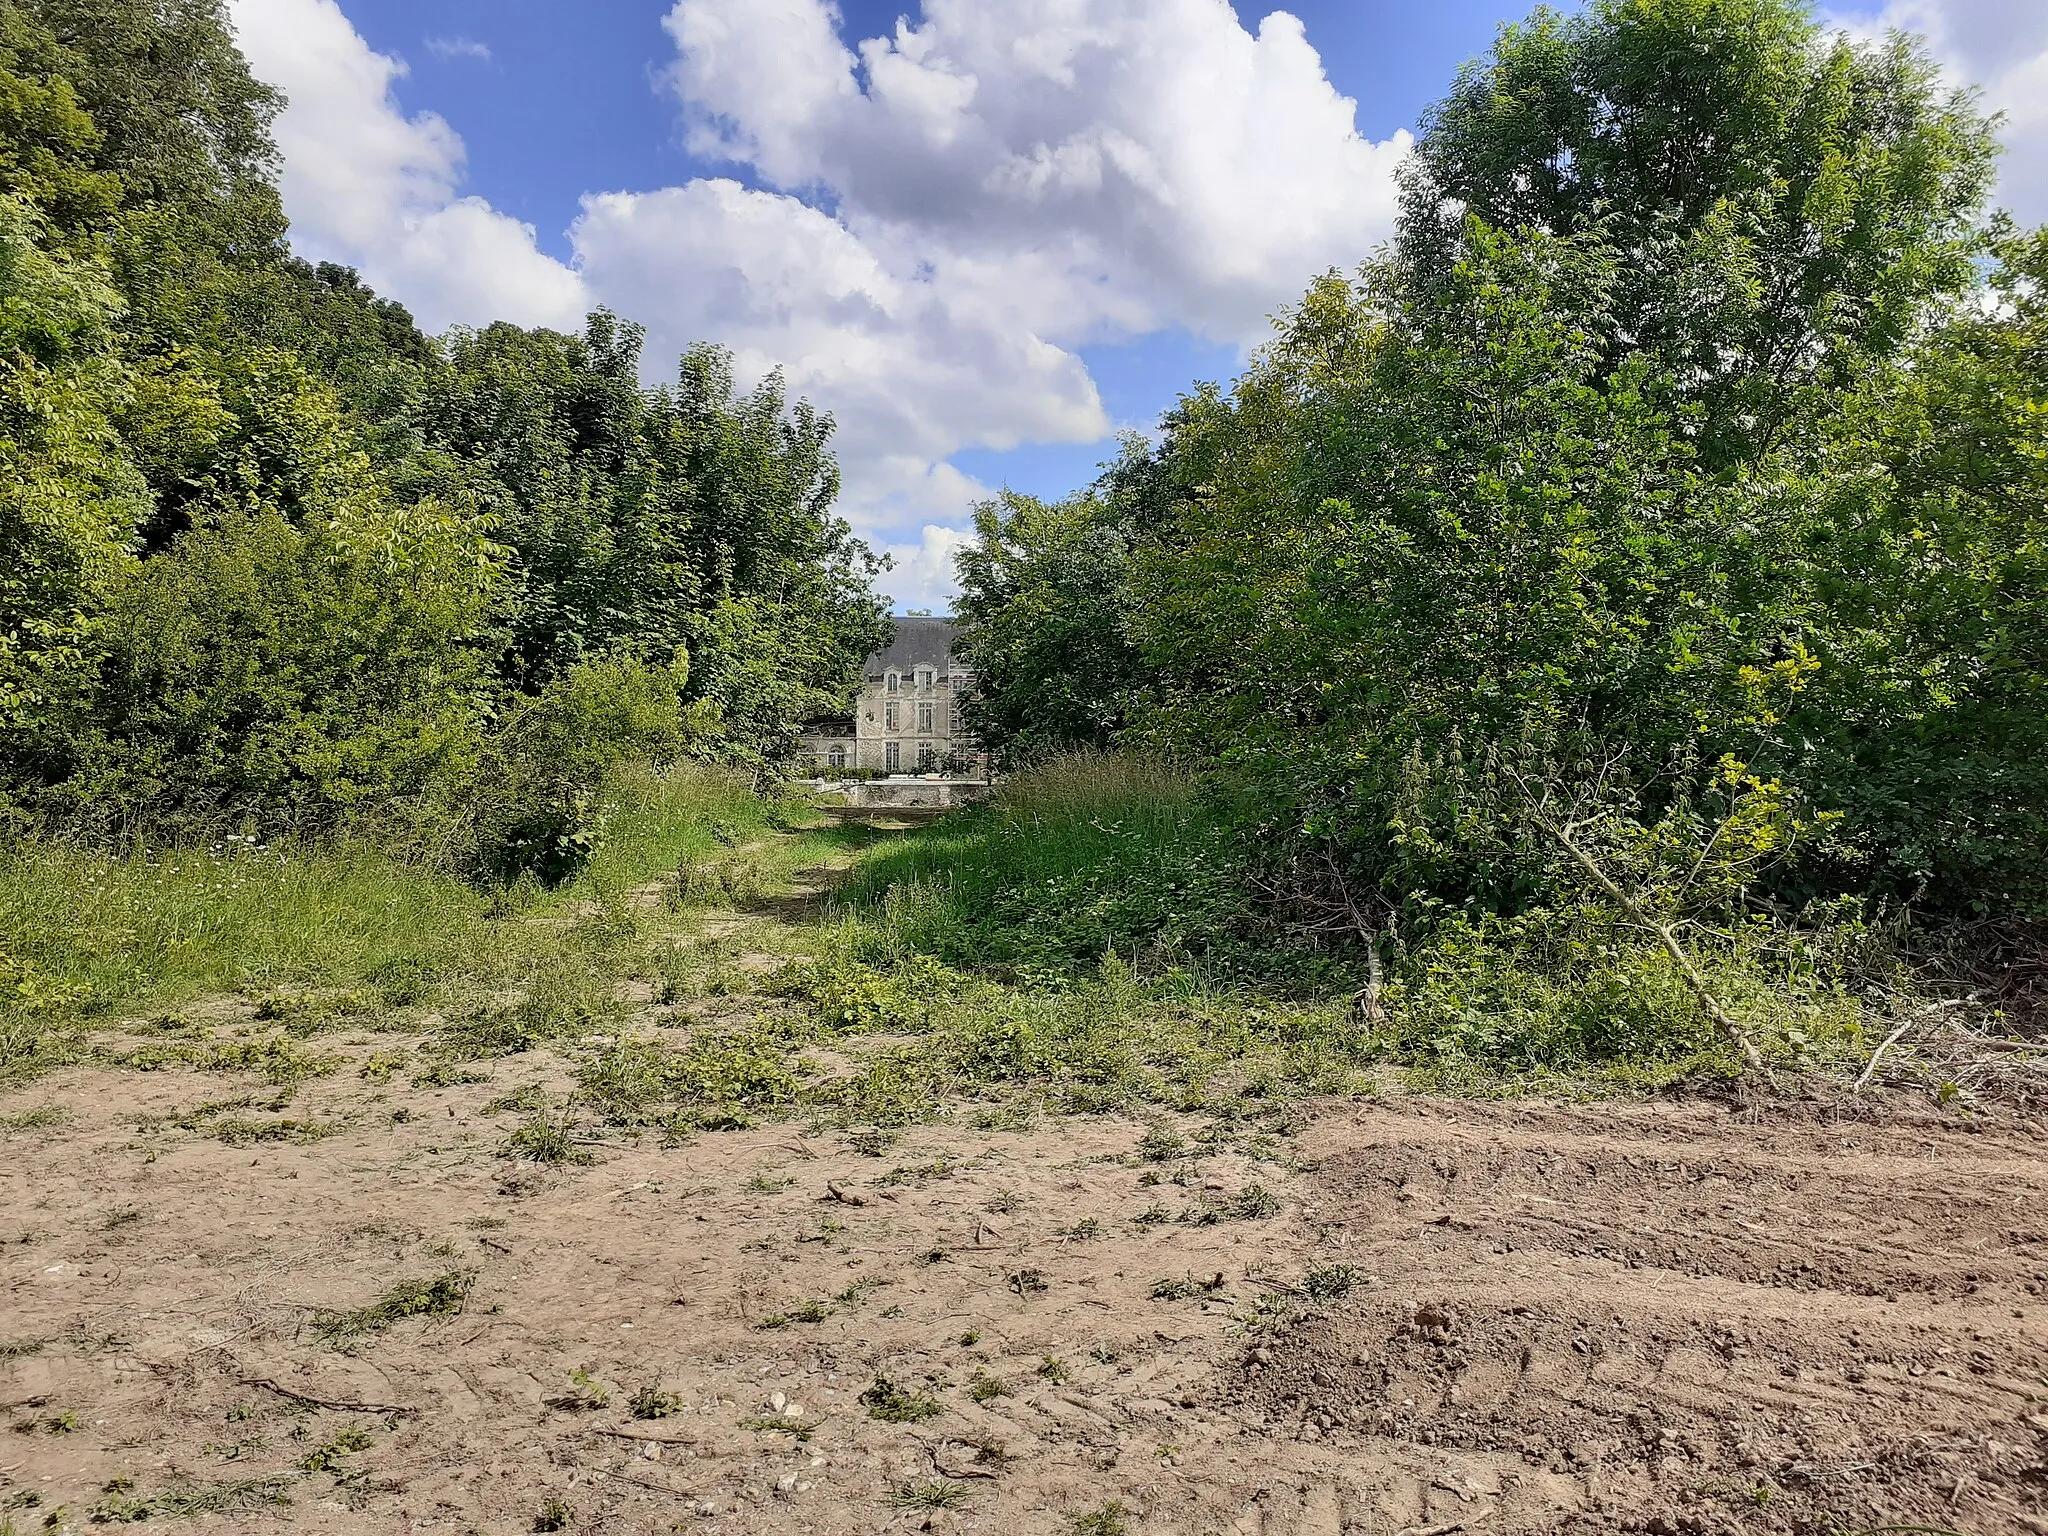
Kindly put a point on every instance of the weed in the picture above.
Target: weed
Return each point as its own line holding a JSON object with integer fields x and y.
{"x": 650, "y": 1402}
{"x": 1151, "y": 1216}
{"x": 890, "y": 1403}
{"x": 276, "y": 1058}
{"x": 242, "y": 1496}
{"x": 1110, "y": 1519}
{"x": 1186, "y": 1289}
{"x": 553, "y": 1516}
{"x": 719, "y": 1081}
{"x": 1029, "y": 1282}
{"x": 525, "y": 1100}
{"x": 64, "y": 1423}
{"x": 1005, "y": 1202}
{"x": 441, "y": 1296}
{"x": 938, "y": 1168}
{"x": 1102, "y": 1355}
{"x": 969, "y": 1339}
{"x": 379, "y": 1065}
{"x": 586, "y": 1393}
{"x": 1329, "y": 1284}
{"x": 1080, "y": 1231}
{"x": 21, "y": 1349}
{"x": 1253, "y": 1203}
{"x": 243, "y": 1133}
{"x": 938, "y": 1494}
{"x": 43, "y": 1117}
{"x": 549, "y": 1141}
{"x": 781, "y": 1424}
{"x": 345, "y": 1442}
{"x": 1054, "y": 1369}
{"x": 768, "y": 1184}
{"x": 984, "y": 1388}
{"x": 119, "y": 1217}
{"x": 1161, "y": 1144}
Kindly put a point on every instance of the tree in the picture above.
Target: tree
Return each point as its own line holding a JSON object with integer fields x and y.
{"x": 1785, "y": 205}
{"x": 1044, "y": 604}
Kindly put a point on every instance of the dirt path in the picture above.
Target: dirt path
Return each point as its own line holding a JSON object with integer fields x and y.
{"x": 1409, "y": 1316}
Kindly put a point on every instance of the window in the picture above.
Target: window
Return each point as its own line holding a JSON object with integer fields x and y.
{"x": 924, "y": 719}
{"x": 836, "y": 757}
{"x": 892, "y": 756}
{"x": 927, "y": 758}
{"x": 924, "y": 679}
{"x": 889, "y": 716}
{"x": 894, "y": 681}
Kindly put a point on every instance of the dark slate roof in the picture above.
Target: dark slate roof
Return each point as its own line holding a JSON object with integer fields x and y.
{"x": 918, "y": 643}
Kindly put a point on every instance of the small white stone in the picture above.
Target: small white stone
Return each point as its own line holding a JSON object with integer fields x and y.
{"x": 792, "y": 1410}
{"x": 777, "y": 1401}
{"x": 786, "y": 1482}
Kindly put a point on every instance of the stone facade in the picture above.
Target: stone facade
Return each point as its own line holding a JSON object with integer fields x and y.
{"x": 907, "y": 717}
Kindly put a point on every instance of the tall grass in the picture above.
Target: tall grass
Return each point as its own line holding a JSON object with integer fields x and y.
{"x": 86, "y": 934}
{"x": 1081, "y": 857}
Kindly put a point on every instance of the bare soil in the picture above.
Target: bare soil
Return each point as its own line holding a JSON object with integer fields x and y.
{"x": 1672, "y": 1317}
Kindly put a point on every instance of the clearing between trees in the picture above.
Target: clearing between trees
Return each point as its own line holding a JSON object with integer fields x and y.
{"x": 715, "y": 1259}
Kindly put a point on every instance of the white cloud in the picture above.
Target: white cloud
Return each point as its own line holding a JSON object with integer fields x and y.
{"x": 459, "y": 48}
{"x": 370, "y": 187}
{"x": 2001, "y": 47}
{"x": 939, "y": 218}
{"x": 1092, "y": 167}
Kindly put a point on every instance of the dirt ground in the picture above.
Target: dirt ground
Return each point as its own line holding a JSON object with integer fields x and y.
{"x": 1505, "y": 1317}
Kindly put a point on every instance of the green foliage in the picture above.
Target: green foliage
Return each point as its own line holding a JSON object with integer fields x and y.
{"x": 440, "y": 1296}
{"x": 1075, "y": 858}
{"x": 271, "y": 559}
{"x": 719, "y": 1080}
{"x": 892, "y": 1404}
{"x": 1789, "y": 203}
{"x": 1043, "y": 610}
{"x": 1567, "y": 614}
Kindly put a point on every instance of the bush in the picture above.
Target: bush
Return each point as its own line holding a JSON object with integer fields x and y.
{"x": 290, "y": 676}
{"x": 534, "y": 804}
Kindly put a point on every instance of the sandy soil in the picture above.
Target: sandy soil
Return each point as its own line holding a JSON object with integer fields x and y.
{"x": 1663, "y": 1318}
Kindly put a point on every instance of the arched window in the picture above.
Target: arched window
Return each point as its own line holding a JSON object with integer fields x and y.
{"x": 836, "y": 757}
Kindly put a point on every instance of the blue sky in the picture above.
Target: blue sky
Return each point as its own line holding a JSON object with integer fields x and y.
{"x": 1011, "y": 232}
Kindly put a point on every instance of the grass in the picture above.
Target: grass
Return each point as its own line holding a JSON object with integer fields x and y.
{"x": 925, "y": 1497}
{"x": 314, "y": 934}
{"x": 330, "y": 1455}
{"x": 892, "y": 1404}
{"x": 1108, "y": 1519}
{"x": 244, "y": 1495}
{"x": 440, "y": 1296}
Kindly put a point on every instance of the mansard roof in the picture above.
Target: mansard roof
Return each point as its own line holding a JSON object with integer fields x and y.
{"x": 919, "y": 642}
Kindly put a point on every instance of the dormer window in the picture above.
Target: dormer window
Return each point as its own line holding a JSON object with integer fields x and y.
{"x": 924, "y": 679}
{"x": 894, "y": 682}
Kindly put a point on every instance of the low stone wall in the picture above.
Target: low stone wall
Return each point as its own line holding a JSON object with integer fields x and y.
{"x": 901, "y": 793}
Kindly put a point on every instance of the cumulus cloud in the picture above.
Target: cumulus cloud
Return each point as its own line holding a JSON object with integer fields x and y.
{"x": 2001, "y": 47}
{"x": 1092, "y": 167}
{"x": 940, "y": 217}
{"x": 922, "y": 229}
{"x": 370, "y": 187}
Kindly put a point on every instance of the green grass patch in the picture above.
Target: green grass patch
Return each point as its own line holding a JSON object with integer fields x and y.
{"x": 892, "y": 1404}
{"x": 243, "y": 1496}
{"x": 440, "y": 1296}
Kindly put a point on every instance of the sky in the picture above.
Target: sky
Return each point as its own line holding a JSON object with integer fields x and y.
{"x": 988, "y": 236}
